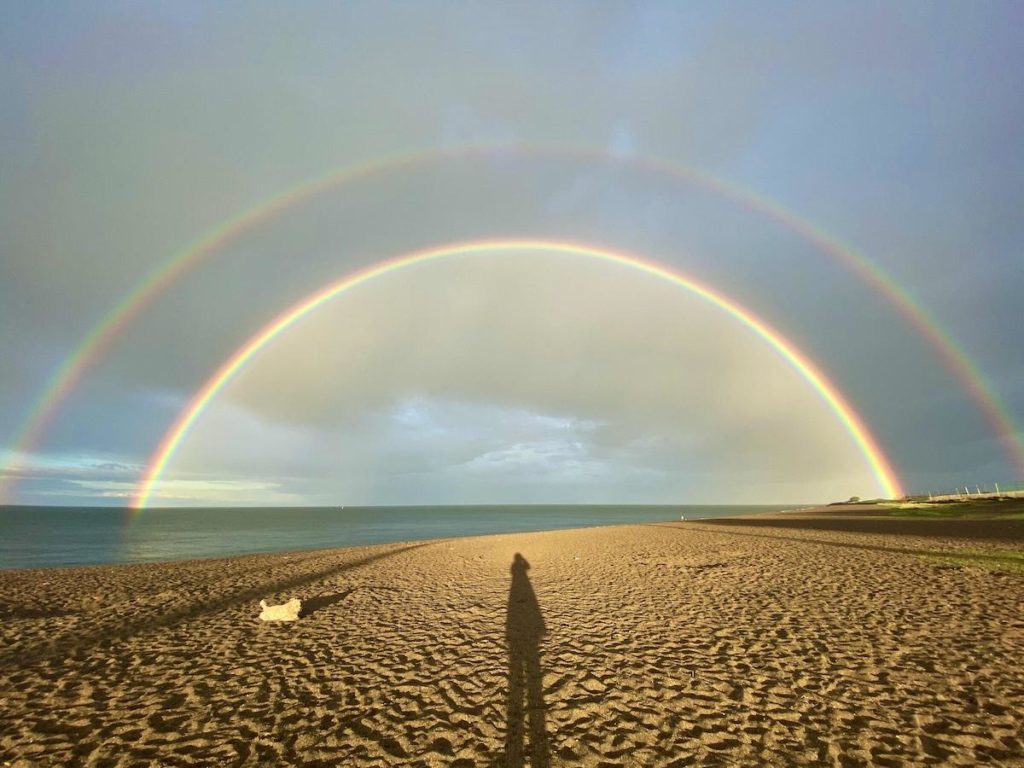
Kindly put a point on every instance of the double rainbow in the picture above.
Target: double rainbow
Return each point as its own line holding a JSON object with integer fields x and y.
{"x": 172, "y": 439}
{"x": 69, "y": 373}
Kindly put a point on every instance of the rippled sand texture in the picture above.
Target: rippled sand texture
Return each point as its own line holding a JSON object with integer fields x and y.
{"x": 672, "y": 645}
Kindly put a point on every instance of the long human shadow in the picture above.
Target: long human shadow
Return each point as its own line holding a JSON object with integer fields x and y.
{"x": 524, "y": 628}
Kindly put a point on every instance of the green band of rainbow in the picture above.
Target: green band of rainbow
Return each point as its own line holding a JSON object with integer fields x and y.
{"x": 68, "y": 374}
{"x": 172, "y": 439}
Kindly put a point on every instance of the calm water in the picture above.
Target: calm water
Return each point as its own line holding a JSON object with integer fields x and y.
{"x": 46, "y": 536}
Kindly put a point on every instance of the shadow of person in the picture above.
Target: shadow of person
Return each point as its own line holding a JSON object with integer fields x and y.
{"x": 524, "y": 628}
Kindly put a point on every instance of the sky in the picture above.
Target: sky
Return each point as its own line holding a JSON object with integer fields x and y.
{"x": 776, "y": 156}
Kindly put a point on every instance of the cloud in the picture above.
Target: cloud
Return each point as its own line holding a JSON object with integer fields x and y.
{"x": 191, "y": 491}
{"x": 28, "y": 466}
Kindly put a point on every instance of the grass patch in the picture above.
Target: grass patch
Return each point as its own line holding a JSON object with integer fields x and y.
{"x": 1001, "y": 562}
{"x": 948, "y": 512}
{"x": 1009, "y": 509}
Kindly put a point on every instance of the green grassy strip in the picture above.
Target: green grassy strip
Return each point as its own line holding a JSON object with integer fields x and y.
{"x": 1003, "y": 562}
{"x": 1002, "y": 510}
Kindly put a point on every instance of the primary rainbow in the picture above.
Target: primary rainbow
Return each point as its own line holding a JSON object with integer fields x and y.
{"x": 68, "y": 374}
{"x": 172, "y": 439}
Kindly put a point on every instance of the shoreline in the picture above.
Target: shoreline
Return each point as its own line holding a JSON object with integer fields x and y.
{"x": 109, "y": 541}
{"x": 1010, "y": 528}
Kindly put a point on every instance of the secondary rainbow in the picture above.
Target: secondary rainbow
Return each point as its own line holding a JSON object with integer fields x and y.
{"x": 880, "y": 467}
{"x": 67, "y": 375}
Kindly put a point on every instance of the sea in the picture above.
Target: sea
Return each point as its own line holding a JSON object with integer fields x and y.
{"x": 38, "y": 537}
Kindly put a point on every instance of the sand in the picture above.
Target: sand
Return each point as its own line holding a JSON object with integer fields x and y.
{"x": 753, "y": 642}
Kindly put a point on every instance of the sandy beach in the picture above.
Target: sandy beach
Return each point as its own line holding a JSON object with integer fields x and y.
{"x": 783, "y": 640}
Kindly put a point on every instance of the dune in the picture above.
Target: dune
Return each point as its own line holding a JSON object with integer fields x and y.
{"x": 688, "y": 643}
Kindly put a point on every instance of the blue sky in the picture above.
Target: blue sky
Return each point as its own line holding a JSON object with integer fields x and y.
{"x": 129, "y": 129}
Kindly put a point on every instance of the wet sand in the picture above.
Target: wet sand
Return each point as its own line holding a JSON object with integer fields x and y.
{"x": 782, "y": 640}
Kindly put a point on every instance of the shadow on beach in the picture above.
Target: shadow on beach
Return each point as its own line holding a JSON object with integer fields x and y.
{"x": 524, "y": 628}
{"x": 1001, "y": 530}
{"x": 320, "y": 602}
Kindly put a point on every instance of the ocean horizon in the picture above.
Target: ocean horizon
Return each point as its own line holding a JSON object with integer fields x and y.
{"x": 47, "y": 536}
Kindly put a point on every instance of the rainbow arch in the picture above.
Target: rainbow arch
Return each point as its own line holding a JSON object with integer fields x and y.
{"x": 69, "y": 373}
{"x": 880, "y": 466}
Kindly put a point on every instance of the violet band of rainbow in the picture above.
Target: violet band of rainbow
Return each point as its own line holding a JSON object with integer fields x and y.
{"x": 865, "y": 442}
